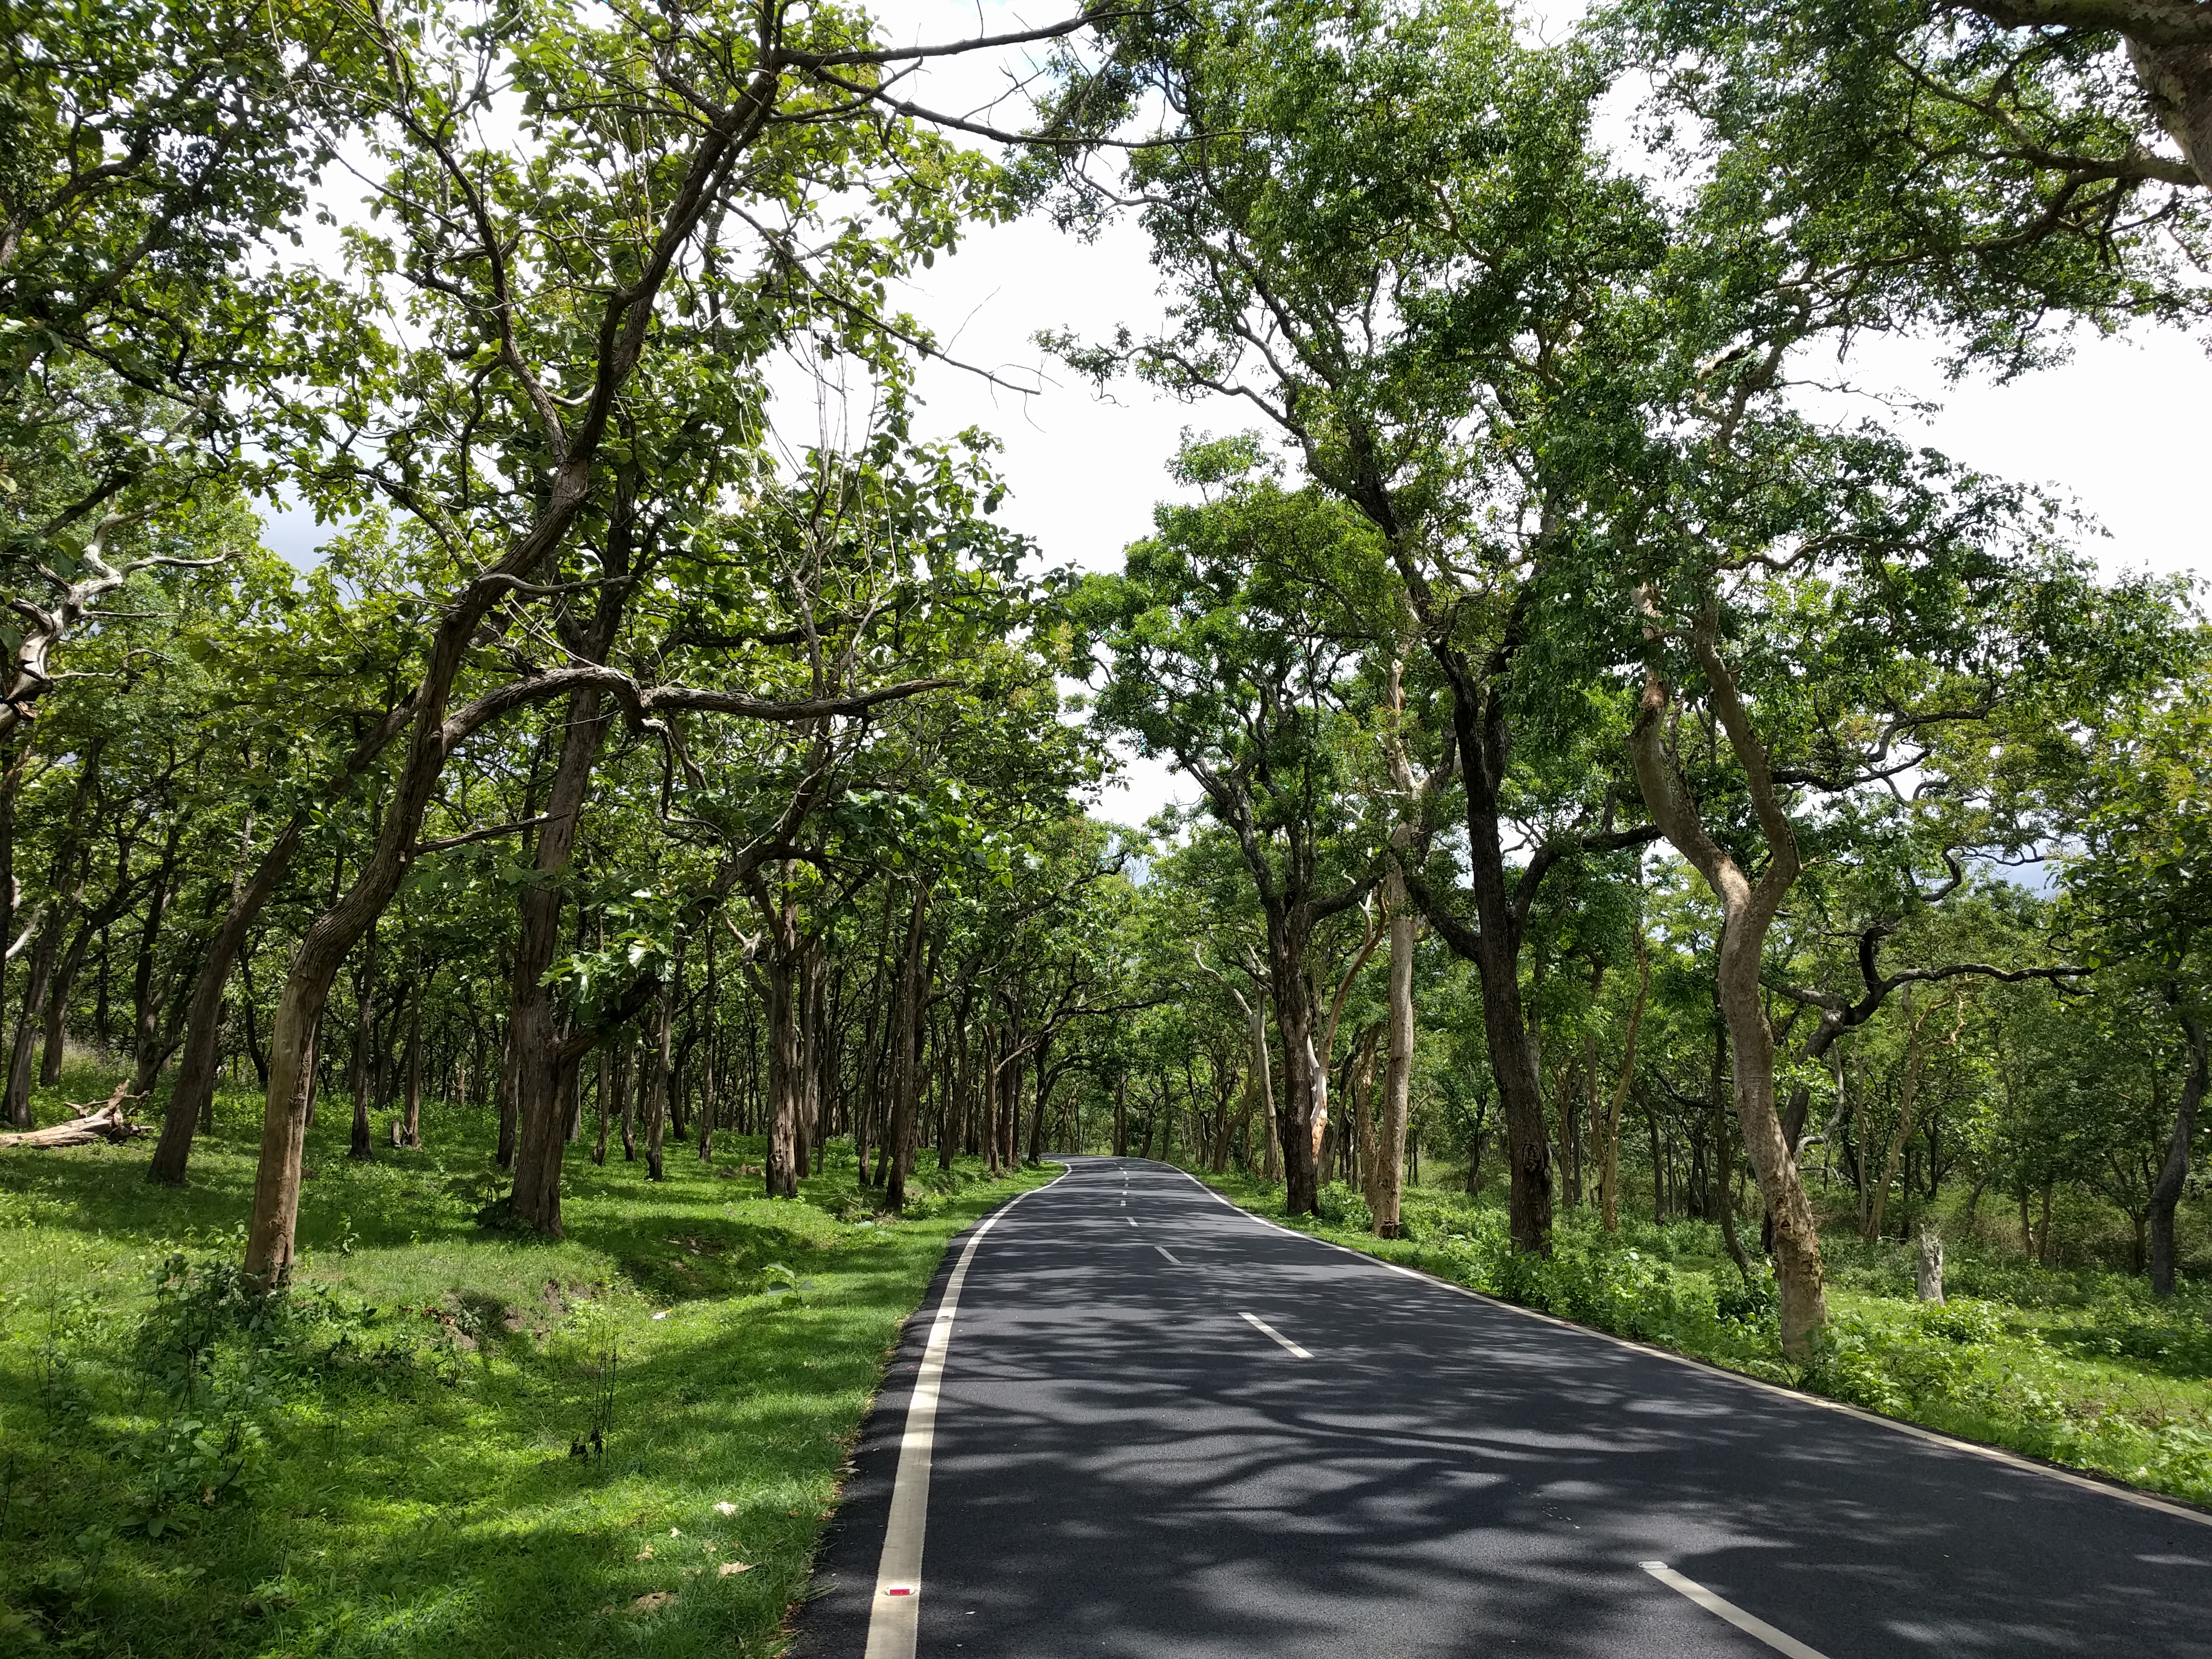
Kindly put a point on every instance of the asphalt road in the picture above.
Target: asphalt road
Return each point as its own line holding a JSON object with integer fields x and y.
{"x": 1125, "y": 1464}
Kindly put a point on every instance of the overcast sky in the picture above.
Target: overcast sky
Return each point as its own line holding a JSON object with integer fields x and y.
{"x": 2114, "y": 428}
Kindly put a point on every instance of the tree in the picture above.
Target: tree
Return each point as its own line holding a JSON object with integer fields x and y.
{"x": 526, "y": 280}
{"x": 1385, "y": 231}
{"x": 1213, "y": 659}
{"x": 2143, "y": 883}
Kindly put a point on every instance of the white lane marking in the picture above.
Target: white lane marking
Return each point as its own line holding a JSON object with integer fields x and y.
{"x": 1749, "y": 1624}
{"x": 1131, "y": 1219}
{"x": 2143, "y": 1500}
{"x": 894, "y": 1615}
{"x": 1266, "y": 1329}
{"x": 1162, "y": 1249}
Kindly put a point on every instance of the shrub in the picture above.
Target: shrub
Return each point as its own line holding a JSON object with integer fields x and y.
{"x": 1340, "y": 1207}
{"x": 1756, "y": 1304}
{"x": 1960, "y": 1321}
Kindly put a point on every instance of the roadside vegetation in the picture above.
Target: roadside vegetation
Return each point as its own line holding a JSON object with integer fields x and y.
{"x": 442, "y": 1439}
{"x": 556, "y": 954}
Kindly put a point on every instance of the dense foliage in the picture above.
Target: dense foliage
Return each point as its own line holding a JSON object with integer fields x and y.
{"x": 1618, "y": 781}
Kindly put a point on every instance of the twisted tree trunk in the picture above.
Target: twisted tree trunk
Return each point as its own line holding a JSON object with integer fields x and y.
{"x": 1749, "y": 910}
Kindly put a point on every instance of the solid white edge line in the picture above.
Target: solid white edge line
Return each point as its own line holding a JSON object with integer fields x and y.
{"x": 893, "y": 1611}
{"x": 1264, "y": 1328}
{"x": 1933, "y": 1436}
{"x": 1749, "y": 1624}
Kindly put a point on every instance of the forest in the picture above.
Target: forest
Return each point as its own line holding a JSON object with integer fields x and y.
{"x": 1655, "y": 849}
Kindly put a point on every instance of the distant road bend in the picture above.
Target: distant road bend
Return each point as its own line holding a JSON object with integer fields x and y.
{"x": 1155, "y": 1427}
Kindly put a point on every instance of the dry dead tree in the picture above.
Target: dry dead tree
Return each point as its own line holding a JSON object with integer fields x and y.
{"x": 110, "y": 1121}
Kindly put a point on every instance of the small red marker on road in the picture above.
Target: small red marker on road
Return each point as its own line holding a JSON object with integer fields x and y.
{"x": 901, "y": 1590}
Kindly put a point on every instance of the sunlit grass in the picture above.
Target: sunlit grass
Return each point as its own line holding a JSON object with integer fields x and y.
{"x": 417, "y": 1495}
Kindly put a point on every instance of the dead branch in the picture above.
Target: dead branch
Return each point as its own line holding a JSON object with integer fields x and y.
{"x": 110, "y": 1121}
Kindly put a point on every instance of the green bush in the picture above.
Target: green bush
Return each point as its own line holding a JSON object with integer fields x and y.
{"x": 1340, "y": 1207}
{"x": 1960, "y": 1321}
{"x": 1756, "y": 1304}
{"x": 1850, "y": 1366}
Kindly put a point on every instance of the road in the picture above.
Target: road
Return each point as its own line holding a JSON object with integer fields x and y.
{"x": 1164, "y": 1428}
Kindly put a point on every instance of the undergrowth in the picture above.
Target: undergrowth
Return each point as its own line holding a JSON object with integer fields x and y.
{"x": 444, "y": 1440}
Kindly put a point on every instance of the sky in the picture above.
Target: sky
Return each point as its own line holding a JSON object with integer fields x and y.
{"x": 2118, "y": 427}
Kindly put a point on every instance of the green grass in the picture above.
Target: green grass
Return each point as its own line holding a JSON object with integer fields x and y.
{"x": 385, "y": 1468}
{"x": 2077, "y": 1366}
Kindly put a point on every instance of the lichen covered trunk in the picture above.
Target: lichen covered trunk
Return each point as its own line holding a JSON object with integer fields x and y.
{"x": 1390, "y": 1182}
{"x": 2177, "y": 83}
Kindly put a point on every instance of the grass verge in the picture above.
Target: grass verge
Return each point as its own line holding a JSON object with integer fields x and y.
{"x": 2078, "y": 1367}
{"x": 400, "y": 1461}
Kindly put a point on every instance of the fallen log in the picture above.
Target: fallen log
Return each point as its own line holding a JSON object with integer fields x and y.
{"x": 110, "y": 1121}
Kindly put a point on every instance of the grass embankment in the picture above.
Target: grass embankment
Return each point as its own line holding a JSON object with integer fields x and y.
{"x": 383, "y": 1466}
{"x": 2081, "y": 1367}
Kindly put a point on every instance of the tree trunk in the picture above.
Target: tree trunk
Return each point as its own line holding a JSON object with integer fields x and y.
{"x": 53, "y": 925}
{"x": 46, "y": 949}
{"x": 148, "y": 1049}
{"x": 812, "y": 1015}
{"x": 1497, "y": 956}
{"x": 2166, "y": 1192}
{"x": 664, "y": 1033}
{"x": 960, "y": 1107}
{"x": 1749, "y": 908}
{"x": 411, "y": 1129}
{"x": 606, "y": 1087}
{"x": 987, "y": 1104}
{"x": 364, "y": 1040}
{"x": 778, "y": 998}
{"x": 2177, "y": 83}
{"x": 708, "y": 1102}
{"x": 1360, "y": 1142}
{"x": 1609, "y": 1171}
{"x": 905, "y": 1079}
{"x": 1928, "y": 1269}
{"x": 193, "y": 1098}
{"x": 1037, "y": 1105}
{"x": 254, "y": 1050}
{"x": 540, "y": 1073}
{"x": 628, "y": 1087}
{"x": 1305, "y": 1074}
{"x": 53, "y": 1038}
{"x": 1908, "y": 1106}
{"x": 1720, "y": 1194}
{"x": 1389, "y": 1178}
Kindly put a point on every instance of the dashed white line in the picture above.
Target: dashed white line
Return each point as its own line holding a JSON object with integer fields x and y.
{"x": 1266, "y": 1329}
{"x": 1749, "y": 1624}
{"x": 1164, "y": 1250}
{"x": 1131, "y": 1219}
{"x": 1932, "y": 1437}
